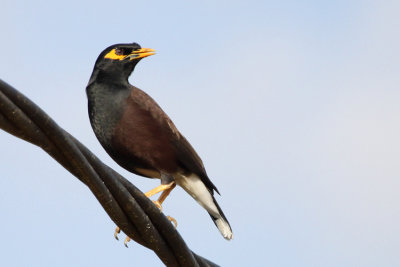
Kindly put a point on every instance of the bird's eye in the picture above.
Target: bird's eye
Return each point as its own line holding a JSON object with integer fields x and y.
{"x": 119, "y": 51}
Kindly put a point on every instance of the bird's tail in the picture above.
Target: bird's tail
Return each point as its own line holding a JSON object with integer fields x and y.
{"x": 195, "y": 187}
{"x": 221, "y": 222}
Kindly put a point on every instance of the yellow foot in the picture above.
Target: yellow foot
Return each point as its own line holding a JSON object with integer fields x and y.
{"x": 127, "y": 239}
{"x": 158, "y": 204}
{"x": 172, "y": 219}
{"x": 117, "y": 231}
{"x": 165, "y": 189}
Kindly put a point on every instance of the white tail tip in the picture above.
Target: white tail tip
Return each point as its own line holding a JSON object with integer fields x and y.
{"x": 224, "y": 228}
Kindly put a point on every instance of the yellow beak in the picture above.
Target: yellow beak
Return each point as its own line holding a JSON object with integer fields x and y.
{"x": 141, "y": 53}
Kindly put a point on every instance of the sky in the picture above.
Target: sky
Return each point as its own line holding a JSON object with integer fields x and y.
{"x": 292, "y": 105}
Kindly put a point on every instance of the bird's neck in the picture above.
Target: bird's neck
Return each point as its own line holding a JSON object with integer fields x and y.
{"x": 109, "y": 76}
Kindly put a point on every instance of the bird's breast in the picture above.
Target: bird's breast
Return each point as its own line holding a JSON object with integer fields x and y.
{"x": 105, "y": 110}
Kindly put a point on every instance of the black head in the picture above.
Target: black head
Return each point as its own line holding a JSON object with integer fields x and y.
{"x": 118, "y": 61}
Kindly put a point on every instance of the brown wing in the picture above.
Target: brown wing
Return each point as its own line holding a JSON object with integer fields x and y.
{"x": 192, "y": 162}
{"x": 182, "y": 151}
{"x": 141, "y": 138}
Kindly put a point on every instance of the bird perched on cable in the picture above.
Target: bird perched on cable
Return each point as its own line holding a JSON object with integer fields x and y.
{"x": 140, "y": 137}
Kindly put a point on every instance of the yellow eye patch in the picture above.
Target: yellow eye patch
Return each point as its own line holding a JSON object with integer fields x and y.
{"x": 113, "y": 55}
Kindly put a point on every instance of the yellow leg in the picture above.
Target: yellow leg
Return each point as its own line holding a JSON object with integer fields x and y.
{"x": 168, "y": 188}
{"x": 166, "y": 193}
{"x": 160, "y": 188}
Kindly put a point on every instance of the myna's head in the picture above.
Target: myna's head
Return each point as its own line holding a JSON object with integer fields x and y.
{"x": 121, "y": 59}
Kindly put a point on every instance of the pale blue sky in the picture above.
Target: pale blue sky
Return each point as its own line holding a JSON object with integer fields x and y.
{"x": 293, "y": 106}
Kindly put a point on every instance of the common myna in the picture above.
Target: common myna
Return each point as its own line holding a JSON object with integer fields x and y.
{"x": 140, "y": 137}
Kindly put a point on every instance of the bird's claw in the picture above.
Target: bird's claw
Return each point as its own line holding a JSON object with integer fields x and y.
{"x": 127, "y": 239}
{"x": 158, "y": 205}
{"x": 172, "y": 219}
{"x": 117, "y": 231}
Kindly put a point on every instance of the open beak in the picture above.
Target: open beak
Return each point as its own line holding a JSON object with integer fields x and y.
{"x": 141, "y": 53}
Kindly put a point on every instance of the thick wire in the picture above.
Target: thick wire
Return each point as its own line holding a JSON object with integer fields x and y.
{"x": 126, "y": 205}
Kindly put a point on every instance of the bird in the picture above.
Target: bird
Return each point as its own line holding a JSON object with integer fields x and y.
{"x": 140, "y": 137}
